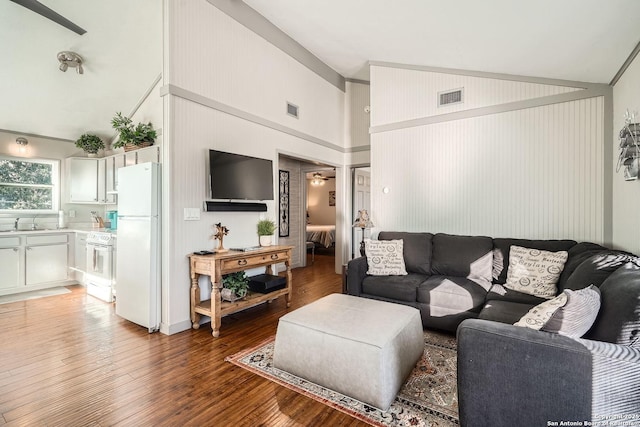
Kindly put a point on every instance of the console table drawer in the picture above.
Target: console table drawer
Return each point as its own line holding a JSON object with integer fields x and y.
{"x": 254, "y": 260}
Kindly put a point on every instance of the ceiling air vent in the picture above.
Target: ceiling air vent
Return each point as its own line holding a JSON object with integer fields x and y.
{"x": 292, "y": 110}
{"x": 450, "y": 97}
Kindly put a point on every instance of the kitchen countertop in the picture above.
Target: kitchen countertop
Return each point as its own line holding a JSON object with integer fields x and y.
{"x": 79, "y": 229}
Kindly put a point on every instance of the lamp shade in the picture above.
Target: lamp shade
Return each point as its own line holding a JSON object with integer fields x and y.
{"x": 363, "y": 220}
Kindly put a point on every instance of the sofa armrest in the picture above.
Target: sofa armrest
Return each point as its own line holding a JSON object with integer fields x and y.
{"x": 508, "y": 376}
{"x": 356, "y": 272}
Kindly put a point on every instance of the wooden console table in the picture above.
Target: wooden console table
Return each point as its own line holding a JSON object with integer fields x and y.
{"x": 218, "y": 264}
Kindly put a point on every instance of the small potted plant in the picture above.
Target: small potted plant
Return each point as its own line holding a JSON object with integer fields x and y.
{"x": 266, "y": 228}
{"x": 132, "y": 137}
{"x": 235, "y": 286}
{"x": 90, "y": 144}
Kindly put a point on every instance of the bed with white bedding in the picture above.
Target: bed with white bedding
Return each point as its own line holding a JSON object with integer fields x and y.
{"x": 324, "y": 235}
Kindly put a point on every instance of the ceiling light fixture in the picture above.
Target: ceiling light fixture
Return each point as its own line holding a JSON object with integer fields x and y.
{"x": 70, "y": 59}
{"x": 318, "y": 179}
{"x": 22, "y": 142}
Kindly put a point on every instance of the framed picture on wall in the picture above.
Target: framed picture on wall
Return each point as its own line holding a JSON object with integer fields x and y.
{"x": 283, "y": 226}
{"x": 332, "y": 198}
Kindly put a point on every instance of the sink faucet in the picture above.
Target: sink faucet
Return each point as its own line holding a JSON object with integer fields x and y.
{"x": 33, "y": 224}
{"x": 15, "y": 224}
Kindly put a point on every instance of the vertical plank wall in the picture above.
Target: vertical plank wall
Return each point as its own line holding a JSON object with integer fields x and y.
{"x": 213, "y": 61}
{"x": 626, "y": 194}
{"x": 531, "y": 172}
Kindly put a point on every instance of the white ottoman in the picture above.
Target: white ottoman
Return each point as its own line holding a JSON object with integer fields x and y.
{"x": 356, "y": 346}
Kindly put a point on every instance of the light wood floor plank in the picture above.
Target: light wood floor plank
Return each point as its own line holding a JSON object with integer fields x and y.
{"x": 69, "y": 360}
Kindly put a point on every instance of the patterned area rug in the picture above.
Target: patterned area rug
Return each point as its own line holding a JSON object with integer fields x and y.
{"x": 428, "y": 398}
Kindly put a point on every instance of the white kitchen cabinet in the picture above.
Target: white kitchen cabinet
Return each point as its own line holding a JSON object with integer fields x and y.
{"x": 118, "y": 162}
{"x": 48, "y": 262}
{"x": 105, "y": 180}
{"x": 83, "y": 180}
{"x": 149, "y": 154}
{"x": 9, "y": 268}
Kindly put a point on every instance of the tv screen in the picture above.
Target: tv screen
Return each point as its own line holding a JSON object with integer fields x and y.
{"x": 234, "y": 176}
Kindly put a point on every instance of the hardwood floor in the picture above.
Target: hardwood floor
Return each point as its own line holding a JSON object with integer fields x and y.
{"x": 70, "y": 361}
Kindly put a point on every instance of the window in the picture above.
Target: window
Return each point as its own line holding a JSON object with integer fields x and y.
{"x": 29, "y": 184}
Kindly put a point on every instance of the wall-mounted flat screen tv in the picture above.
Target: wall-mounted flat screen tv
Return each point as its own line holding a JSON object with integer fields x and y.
{"x": 238, "y": 177}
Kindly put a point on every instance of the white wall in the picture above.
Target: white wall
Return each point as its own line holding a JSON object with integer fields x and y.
{"x": 530, "y": 172}
{"x": 626, "y": 194}
{"x": 213, "y": 60}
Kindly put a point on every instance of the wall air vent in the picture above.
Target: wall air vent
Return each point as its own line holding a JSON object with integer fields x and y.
{"x": 292, "y": 110}
{"x": 450, "y": 97}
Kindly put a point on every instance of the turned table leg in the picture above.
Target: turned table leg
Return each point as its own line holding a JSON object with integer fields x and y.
{"x": 195, "y": 300}
{"x": 289, "y": 281}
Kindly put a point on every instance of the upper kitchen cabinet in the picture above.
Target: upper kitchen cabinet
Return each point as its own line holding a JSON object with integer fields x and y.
{"x": 95, "y": 181}
{"x": 83, "y": 180}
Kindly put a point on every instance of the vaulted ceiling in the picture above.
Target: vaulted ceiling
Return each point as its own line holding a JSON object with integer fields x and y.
{"x": 122, "y": 52}
{"x": 584, "y": 40}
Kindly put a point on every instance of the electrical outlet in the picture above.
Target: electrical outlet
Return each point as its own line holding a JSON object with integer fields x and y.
{"x": 72, "y": 213}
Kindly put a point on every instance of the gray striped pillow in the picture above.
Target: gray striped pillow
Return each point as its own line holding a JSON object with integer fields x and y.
{"x": 576, "y": 317}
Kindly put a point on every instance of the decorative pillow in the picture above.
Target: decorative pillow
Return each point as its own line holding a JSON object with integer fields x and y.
{"x": 576, "y": 317}
{"x": 385, "y": 257}
{"x": 539, "y": 315}
{"x": 535, "y": 272}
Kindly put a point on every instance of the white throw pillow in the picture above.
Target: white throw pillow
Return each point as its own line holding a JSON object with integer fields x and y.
{"x": 535, "y": 272}
{"x": 539, "y": 315}
{"x": 577, "y": 316}
{"x": 385, "y": 257}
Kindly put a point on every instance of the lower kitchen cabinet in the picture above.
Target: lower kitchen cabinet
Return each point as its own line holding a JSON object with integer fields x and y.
{"x": 46, "y": 263}
{"x": 9, "y": 268}
{"x": 33, "y": 261}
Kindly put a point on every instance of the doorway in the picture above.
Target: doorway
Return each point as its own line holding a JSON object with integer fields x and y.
{"x": 321, "y": 211}
{"x": 297, "y": 212}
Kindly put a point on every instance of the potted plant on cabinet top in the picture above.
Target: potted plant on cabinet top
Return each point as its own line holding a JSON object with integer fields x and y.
{"x": 90, "y": 144}
{"x": 266, "y": 228}
{"x": 235, "y": 286}
{"x": 132, "y": 137}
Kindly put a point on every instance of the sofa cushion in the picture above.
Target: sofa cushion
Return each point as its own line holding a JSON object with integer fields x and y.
{"x": 401, "y": 288}
{"x": 385, "y": 257}
{"x": 534, "y": 271}
{"x": 539, "y": 315}
{"x": 502, "y": 248}
{"x": 462, "y": 256}
{"x": 500, "y": 293}
{"x": 595, "y": 269}
{"x": 577, "y": 255}
{"x": 446, "y": 293}
{"x": 577, "y": 315}
{"x": 619, "y": 318}
{"x": 417, "y": 249}
{"x": 504, "y": 311}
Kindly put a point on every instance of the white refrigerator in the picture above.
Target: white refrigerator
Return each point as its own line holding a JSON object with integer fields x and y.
{"x": 138, "y": 276}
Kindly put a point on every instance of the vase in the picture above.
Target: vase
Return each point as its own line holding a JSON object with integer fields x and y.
{"x": 92, "y": 154}
{"x": 228, "y": 295}
{"x": 265, "y": 240}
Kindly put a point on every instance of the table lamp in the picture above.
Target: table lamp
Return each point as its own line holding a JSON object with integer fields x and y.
{"x": 363, "y": 222}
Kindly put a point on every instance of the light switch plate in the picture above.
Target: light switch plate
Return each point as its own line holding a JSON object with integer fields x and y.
{"x": 191, "y": 214}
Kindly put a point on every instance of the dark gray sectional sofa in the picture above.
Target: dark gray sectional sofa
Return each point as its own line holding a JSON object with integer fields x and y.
{"x": 510, "y": 375}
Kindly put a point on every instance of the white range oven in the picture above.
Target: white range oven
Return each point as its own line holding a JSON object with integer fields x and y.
{"x": 101, "y": 264}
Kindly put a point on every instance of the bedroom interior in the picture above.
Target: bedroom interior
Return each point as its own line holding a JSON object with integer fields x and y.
{"x": 482, "y": 126}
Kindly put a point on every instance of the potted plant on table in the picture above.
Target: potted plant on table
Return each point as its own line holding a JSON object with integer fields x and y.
{"x": 234, "y": 286}
{"x": 90, "y": 143}
{"x": 132, "y": 137}
{"x": 266, "y": 228}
